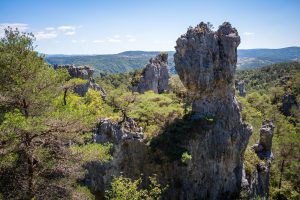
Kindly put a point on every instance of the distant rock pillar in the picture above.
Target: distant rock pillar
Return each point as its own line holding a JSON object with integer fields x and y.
{"x": 241, "y": 87}
{"x": 260, "y": 181}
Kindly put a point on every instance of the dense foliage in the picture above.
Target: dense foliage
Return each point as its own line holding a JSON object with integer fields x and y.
{"x": 266, "y": 99}
{"x": 123, "y": 188}
{"x": 38, "y": 124}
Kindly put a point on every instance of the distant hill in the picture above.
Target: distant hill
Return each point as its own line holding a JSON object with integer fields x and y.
{"x": 132, "y": 60}
{"x": 254, "y": 58}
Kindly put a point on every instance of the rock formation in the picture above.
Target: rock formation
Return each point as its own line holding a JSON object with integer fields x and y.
{"x": 86, "y": 73}
{"x": 240, "y": 86}
{"x": 206, "y": 62}
{"x": 215, "y": 139}
{"x": 288, "y": 102}
{"x": 258, "y": 185}
{"x": 110, "y": 131}
{"x": 155, "y": 76}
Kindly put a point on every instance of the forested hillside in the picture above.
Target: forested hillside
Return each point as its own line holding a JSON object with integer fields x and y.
{"x": 131, "y": 60}
{"x": 114, "y": 63}
{"x": 273, "y": 93}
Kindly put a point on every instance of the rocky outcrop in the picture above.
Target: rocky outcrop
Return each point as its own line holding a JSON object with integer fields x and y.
{"x": 215, "y": 138}
{"x": 258, "y": 183}
{"x": 242, "y": 90}
{"x": 240, "y": 86}
{"x": 83, "y": 72}
{"x": 206, "y": 62}
{"x": 113, "y": 132}
{"x": 155, "y": 76}
{"x": 288, "y": 102}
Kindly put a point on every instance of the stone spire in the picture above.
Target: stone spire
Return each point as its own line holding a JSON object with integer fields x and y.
{"x": 205, "y": 62}
{"x": 155, "y": 76}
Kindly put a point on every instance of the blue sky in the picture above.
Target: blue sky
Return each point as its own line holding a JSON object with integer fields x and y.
{"x": 112, "y": 26}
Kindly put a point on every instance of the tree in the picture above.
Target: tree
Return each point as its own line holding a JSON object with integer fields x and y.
{"x": 123, "y": 188}
{"x": 35, "y": 131}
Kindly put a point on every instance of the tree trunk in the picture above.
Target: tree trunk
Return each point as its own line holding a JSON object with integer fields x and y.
{"x": 281, "y": 172}
{"x": 65, "y": 96}
{"x": 25, "y": 108}
{"x": 30, "y": 194}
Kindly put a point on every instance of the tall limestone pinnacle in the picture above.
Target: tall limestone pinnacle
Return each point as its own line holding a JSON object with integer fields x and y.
{"x": 205, "y": 61}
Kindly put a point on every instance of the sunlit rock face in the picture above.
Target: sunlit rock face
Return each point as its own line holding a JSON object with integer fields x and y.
{"x": 155, "y": 76}
{"x": 205, "y": 61}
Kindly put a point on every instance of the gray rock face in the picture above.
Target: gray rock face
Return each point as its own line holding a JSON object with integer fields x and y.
{"x": 288, "y": 102}
{"x": 205, "y": 62}
{"x": 83, "y": 72}
{"x": 241, "y": 88}
{"x": 155, "y": 76}
{"x": 109, "y": 131}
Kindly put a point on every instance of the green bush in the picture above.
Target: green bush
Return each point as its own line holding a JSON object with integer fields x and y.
{"x": 123, "y": 188}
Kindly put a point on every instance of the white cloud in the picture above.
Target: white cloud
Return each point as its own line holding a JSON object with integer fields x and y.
{"x": 98, "y": 41}
{"x": 248, "y": 33}
{"x": 66, "y": 28}
{"x": 74, "y": 41}
{"x": 116, "y": 36}
{"x": 45, "y": 35}
{"x": 70, "y": 33}
{"x": 20, "y": 26}
{"x": 50, "y": 29}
